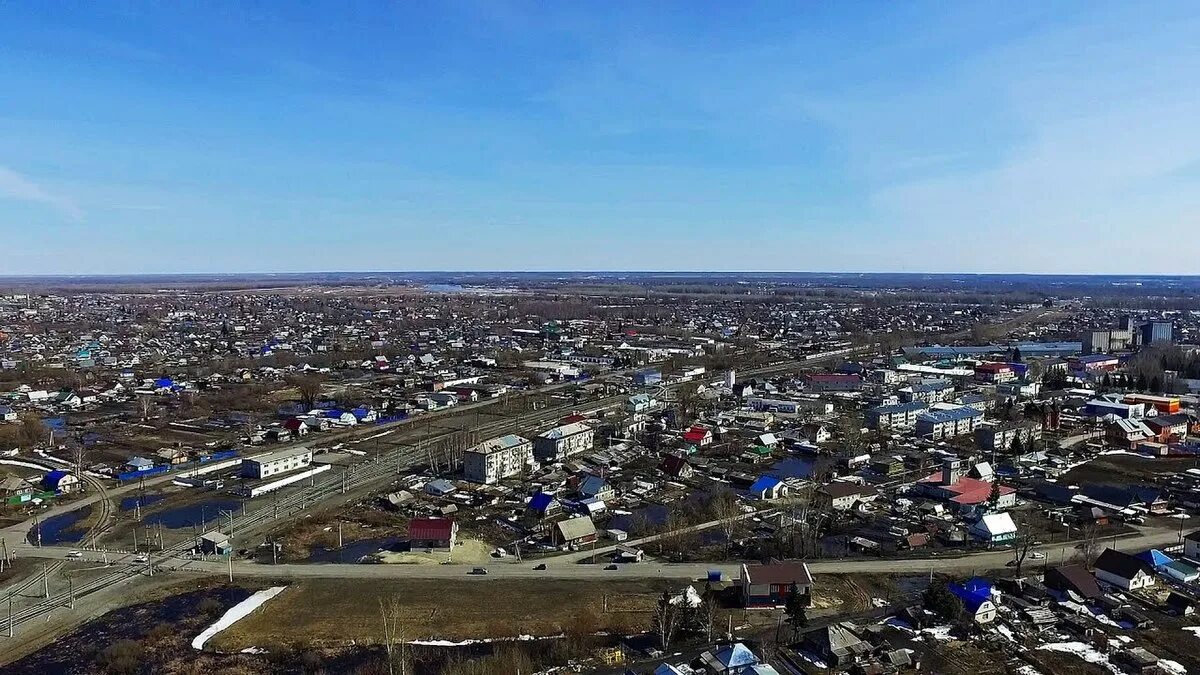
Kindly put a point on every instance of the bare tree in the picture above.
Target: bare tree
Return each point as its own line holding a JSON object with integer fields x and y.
{"x": 665, "y": 621}
{"x": 1090, "y": 546}
{"x": 309, "y": 387}
{"x": 728, "y": 513}
{"x": 1023, "y": 545}
{"x": 390, "y": 611}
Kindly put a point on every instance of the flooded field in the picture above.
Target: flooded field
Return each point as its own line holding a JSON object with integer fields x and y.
{"x": 66, "y": 528}
{"x": 196, "y": 514}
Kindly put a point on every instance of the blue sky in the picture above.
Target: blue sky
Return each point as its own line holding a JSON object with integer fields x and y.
{"x": 844, "y": 136}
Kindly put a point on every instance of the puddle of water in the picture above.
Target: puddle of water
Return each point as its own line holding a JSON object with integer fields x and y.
{"x": 794, "y": 467}
{"x": 131, "y": 503}
{"x": 207, "y": 511}
{"x": 61, "y": 529}
{"x": 352, "y": 552}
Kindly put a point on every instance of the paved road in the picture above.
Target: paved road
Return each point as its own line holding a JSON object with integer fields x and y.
{"x": 566, "y": 567}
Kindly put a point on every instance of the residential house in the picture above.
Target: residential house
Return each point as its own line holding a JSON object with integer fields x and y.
{"x": 1127, "y": 432}
{"x": 573, "y": 531}
{"x": 771, "y": 584}
{"x": 1123, "y": 570}
{"x": 699, "y": 436}
{"x": 60, "y": 481}
{"x": 994, "y": 528}
{"x": 734, "y": 659}
{"x": 543, "y": 505}
{"x": 1191, "y": 545}
{"x": 838, "y": 645}
{"x": 7, "y": 414}
{"x": 964, "y": 492}
{"x": 1072, "y": 582}
{"x": 639, "y": 403}
{"x": 595, "y": 487}
{"x": 768, "y": 488}
{"x": 976, "y": 597}
{"x": 432, "y": 534}
{"x": 843, "y": 495}
{"x": 676, "y": 466}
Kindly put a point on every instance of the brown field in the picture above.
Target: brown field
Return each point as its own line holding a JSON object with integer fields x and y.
{"x": 338, "y": 612}
{"x": 1126, "y": 468}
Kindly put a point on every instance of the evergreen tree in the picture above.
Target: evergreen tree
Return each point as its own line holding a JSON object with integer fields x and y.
{"x": 796, "y": 609}
{"x": 1018, "y": 446}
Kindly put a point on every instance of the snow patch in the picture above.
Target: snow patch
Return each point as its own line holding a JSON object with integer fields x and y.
{"x": 235, "y": 614}
{"x": 1194, "y": 630}
{"x": 464, "y": 643}
{"x": 1083, "y": 651}
{"x": 938, "y": 632}
{"x": 1172, "y": 667}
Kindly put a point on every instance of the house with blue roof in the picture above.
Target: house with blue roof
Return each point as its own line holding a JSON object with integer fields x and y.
{"x": 976, "y": 597}
{"x": 60, "y": 482}
{"x": 734, "y": 659}
{"x": 767, "y": 488}
{"x": 543, "y": 505}
{"x": 364, "y": 415}
{"x": 340, "y": 418}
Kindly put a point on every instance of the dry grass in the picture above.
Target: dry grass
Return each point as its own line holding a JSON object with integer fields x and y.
{"x": 331, "y": 612}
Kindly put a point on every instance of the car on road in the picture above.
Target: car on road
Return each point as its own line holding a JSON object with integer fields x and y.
{"x": 479, "y": 570}
{"x": 142, "y": 559}
{"x": 1037, "y": 555}
{"x": 540, "y": 566}
{"x": 611, "y": 566}
{"x": 74, "y": 554}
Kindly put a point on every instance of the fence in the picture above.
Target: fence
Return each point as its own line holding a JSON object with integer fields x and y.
{"x": 164, "y": 468}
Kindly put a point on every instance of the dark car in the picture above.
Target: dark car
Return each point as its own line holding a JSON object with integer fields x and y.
{"x": 611, "y": 566}
{"x": 540, "y": 567}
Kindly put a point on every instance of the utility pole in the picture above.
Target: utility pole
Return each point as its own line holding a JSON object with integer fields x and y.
{"x": 45, "y": 581}
{"x": 71, "y": 593}
{"x": 135, "y": 548}
{"x": 230, "y": 559}
{"x": 339, "y": 535}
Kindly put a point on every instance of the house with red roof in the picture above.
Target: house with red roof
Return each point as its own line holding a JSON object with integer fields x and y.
{"x": 833, "y": 382}
{"x": 698, "y": 436}
{"x": 432, "y": 534}
{"x": 953, "y": 486}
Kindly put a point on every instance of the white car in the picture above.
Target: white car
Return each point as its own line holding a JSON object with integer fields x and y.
{"x": 74, "y": 554}
{"x": 142, "y": 559}
{"x": 1037, "y": 555}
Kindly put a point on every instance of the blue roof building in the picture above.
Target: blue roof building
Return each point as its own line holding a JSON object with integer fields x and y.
{"x": 976, "y": 597}
{"x": 768, "y": 487}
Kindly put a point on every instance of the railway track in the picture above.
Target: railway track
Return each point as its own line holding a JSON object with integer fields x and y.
{"x": 393, "y": 459}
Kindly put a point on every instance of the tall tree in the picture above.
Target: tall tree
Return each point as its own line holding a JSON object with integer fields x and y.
{"x": 665, "y": 621}
{"x": 796, "y": 608}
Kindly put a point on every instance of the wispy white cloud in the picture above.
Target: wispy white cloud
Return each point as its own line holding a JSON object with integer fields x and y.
{"x": 15, "y": 186}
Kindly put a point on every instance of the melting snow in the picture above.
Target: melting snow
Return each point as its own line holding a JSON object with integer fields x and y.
{"x": 235, "y": 614}
{"x": 1172, "y": 667}
{"x": 1083, "y": 651}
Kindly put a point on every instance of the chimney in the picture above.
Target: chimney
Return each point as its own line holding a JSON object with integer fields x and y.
{"x": 951, "y": 470}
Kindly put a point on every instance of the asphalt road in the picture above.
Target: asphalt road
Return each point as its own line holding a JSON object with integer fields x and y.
{"x": 567, "y": 567}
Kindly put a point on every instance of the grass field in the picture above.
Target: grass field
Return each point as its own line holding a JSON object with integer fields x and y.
{"x": 330, "y": 612}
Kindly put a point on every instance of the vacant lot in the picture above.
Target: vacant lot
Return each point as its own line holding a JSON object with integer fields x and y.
{"x": 1127, "y": 468}
{"x": 339, "y": 612}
